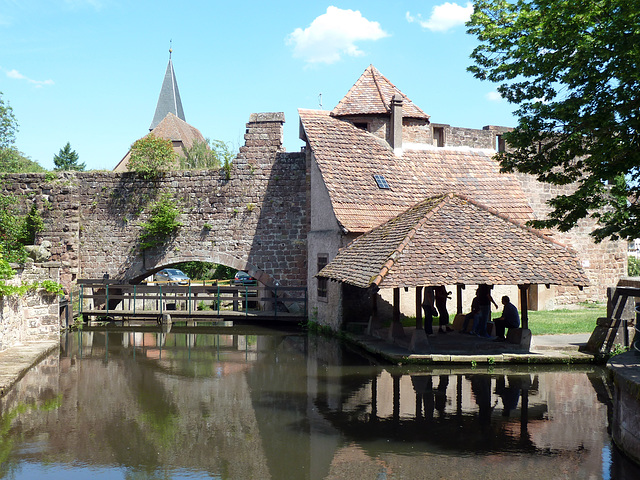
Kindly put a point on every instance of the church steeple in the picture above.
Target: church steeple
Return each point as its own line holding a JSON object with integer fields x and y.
{"x": 169, "y": 99}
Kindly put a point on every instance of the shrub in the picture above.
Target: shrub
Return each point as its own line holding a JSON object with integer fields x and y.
{"x": 162, "y": 224}
{"x": 633, "y": 267}
{"x": 151, "y": 156}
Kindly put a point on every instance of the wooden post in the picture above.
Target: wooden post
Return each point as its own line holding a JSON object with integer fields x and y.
{"x": 396, "y": 305}
{"x": 459, "y": 288}
{"x": 523, "y": 305}
{"x": 418, "y": 308}
{"x": 396, "y": 330}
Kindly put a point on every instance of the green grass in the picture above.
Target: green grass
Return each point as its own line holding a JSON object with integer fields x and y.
{"x": 580, "y": 320}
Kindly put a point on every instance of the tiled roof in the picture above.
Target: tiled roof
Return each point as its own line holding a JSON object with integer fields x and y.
{"x": 451, "y": 239}
{"x": 170, "y": 128}
{"x": 175, "y": 129}
{"x": 349, "y": 157}
{"x": 372, "y": 95}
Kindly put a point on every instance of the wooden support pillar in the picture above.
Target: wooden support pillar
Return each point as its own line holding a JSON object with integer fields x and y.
{"x": 396, "y": 330}
{"x": 396, "y": 305}
{"x": 419, "y": 342}
{"x": 524, "y": 317}
{"x": 459, "y": 289}
{"x": 374, "y": 320}
{"x": 419, "y": 308}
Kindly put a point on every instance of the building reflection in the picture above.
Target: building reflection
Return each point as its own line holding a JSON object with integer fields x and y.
{"x": 290, "y": 406}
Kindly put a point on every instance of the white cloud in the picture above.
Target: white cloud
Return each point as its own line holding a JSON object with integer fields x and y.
{"x": 16, "y": 75}
{"x": 444, "y": 17}
{"x": 332, "y": 35}
{"x": 493, "y": 96}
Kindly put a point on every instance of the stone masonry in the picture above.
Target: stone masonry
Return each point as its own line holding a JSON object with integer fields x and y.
{"x": 255, "y": 221}
{"x": 30, "y": 317}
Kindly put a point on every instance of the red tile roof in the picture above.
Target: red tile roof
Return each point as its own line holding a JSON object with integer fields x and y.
{"x": 452, "y": 239}
{"x": 349, "y": 157}
{"x": 170, "y": 128}
{"x": 371, "y": 95}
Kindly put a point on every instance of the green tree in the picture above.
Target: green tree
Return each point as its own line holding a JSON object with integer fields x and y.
{"x": 211, "y": 154}
{"x": 151, "y": 156}
{"x": 573, "y": 69}
{"x": 13, "y": 161}
{"x": 8, "y": 125}
{"x": 67, "y": 159}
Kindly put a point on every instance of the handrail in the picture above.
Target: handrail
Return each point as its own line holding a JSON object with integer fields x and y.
{"x": 636, "y": 336}
{"x": 119, "y": 297}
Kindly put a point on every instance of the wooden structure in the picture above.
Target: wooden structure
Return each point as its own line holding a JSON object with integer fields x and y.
{"x": 451, "y": 240}
{"x": 110, "y": 300}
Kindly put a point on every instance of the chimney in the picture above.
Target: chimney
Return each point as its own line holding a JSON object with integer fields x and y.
{"x": 396, "y": 125}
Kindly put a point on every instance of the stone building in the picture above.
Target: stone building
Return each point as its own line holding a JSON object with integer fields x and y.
{"x": 376, "y": 154}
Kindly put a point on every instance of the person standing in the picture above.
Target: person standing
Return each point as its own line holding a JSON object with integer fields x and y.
{"x": 484, "y": 300}
{"x": 441, "y": 304}
{"x": 509, "y": 319}
{"x": 429, "y": 310}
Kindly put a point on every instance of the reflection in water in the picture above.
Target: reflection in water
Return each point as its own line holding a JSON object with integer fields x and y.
{"x": 269, "y": 405}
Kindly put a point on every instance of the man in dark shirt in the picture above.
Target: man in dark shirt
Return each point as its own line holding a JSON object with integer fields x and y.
{"x": 509, "y": 319}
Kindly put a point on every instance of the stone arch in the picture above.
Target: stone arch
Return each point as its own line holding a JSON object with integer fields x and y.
{"x": 135, "y": 275}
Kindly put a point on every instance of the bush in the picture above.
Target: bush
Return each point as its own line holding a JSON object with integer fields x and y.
{"x": 162, "y": 224}
{"x": 151, "y": 156}
{"x": 633, "y": 267}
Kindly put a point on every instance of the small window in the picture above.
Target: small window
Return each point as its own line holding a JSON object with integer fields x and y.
{"x": 382, "y": 182}
{"x": 438, "y": 136}
{"x": 361, "y": 125}
{"x": 322, "y": 282}
{"x": 500, "y": 144}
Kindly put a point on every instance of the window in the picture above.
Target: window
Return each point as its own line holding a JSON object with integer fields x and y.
{"x": 500, "y": 145}
{"x": 322, "y": 282}
{"x": 361, "y": 125}
{"x": 438, "y": 136}
{"x": 382, "y": 182}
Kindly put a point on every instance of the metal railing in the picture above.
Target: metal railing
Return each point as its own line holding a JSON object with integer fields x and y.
{"x": 108, "y": 297}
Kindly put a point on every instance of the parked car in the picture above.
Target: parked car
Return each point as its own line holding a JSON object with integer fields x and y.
{"x": 243, "y": 278}
{"x": 172, "y": 276}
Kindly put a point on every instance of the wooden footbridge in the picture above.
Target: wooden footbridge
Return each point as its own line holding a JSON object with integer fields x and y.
{"x": 197, "y": 301}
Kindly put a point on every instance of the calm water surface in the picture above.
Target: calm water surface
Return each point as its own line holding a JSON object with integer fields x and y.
{"x": 269, "y": 405}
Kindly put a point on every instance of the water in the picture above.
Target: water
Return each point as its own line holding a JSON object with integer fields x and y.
{"x": 265, "y": 405}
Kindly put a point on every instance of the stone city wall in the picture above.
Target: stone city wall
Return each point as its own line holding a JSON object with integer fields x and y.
{"x": 255, "y": 220}
{"x": 604, "y": 263}
{"x": 33, "y": 316}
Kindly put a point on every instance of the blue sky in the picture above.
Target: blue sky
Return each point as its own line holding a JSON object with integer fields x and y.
{"x": 89, "y": 72}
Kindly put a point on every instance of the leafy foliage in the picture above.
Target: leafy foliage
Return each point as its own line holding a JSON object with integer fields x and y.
{"x": 633, "y": 266}
{"x": 11, "y": 231}
{"x": 151, "y": 156}
{"x": 13, "y": 161}
{"x": 573, "y": 68}
{"x": 6, "y": 272}
{"x": 8, "y": 125}
{"x": 210, "y": 154}
{"x": 207, "y": 271}
{"x": 162, "y": 224}
{"x": 67, "y": 159}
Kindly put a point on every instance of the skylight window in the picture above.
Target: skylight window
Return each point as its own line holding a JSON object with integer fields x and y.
{"x": 382, "y": 182}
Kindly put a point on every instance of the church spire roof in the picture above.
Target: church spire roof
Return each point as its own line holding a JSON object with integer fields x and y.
{"x": 169, "y": 99}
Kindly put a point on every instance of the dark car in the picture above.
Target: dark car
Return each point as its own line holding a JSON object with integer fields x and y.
{"x": 172, "y": 276}
{"x": 243, "y": 278}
